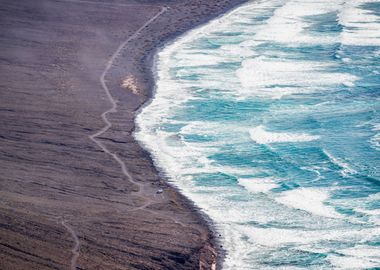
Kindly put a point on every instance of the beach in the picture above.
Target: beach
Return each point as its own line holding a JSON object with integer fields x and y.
{"x": 77, "y": 191}
{"x": 267, "y": 118}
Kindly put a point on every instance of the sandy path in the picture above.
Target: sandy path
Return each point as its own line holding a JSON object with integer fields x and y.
{"x": 113, "y": 109}
{"x": 108, "y": 125}
{"x": 75, "y": 249}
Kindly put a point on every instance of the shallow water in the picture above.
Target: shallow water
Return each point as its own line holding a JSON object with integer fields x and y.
{"x": 268, "y": 119}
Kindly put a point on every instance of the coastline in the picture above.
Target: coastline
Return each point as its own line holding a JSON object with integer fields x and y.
{"x": 153, "y": 62}
{"x": 278, "y": 204}
{"x": 63, "y": 186}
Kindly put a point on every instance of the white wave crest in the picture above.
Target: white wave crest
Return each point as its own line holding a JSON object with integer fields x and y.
{"x": 360, "y": 27}
{"x": 346, "y": 170}
{"x": 261, "y": 136}
{"x": 288, "y": 22}
{"x": 257, "y": 185}
{"x": 265, "y": 77}
{"x": 274, "y": 237}
{"x": 310, "y": 200}
{"x": 375, "y": 139}
{"x": 358, "y": 257}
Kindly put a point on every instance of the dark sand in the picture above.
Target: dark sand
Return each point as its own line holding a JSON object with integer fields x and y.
{"x": 65, "y": 203}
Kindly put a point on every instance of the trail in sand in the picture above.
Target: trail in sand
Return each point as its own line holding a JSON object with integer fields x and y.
{"x": 113, "y": 109}
{"x": 108, "y": 125}
{"x": 75, "y": 249}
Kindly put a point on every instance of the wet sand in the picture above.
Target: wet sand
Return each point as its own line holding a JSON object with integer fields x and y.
{"x": 76, "y": 190}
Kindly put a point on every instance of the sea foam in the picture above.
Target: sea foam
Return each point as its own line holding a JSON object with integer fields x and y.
{"x": 346, "y": 170}
{"x": 375, "y": 139}
{"x": 288, "y": 23}
{"x": 257, "y": 185}
{"x": 261, "y": 136}
{"x": 360, "y": 26}
{"x": 310, "y": 200}
{"x": 266, "y": 77}
{"x": 359, "y": 257}
{"x": 269, "y": 62}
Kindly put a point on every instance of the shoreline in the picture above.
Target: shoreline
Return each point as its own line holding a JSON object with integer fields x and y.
{"x": 215, "y": 240}
{"x": 55, "y": 178}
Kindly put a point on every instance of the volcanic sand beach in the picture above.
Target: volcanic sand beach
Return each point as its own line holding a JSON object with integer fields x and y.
{"x": 76, "y": 190}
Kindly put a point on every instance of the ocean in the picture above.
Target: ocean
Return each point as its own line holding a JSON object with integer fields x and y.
{"x": 268, "y": 118}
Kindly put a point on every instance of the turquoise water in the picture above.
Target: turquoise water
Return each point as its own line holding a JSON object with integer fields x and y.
{"x": 268, "y": 119}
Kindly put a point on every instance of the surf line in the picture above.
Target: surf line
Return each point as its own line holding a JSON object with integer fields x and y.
{"x": 108, "y": 125}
